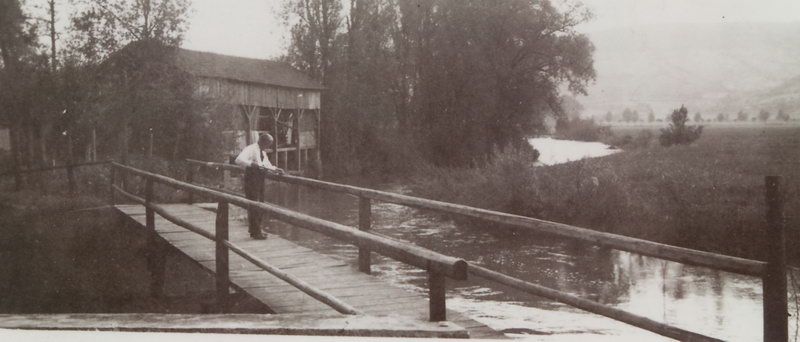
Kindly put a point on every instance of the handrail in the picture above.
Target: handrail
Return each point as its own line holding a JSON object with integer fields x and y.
{"x": 50, "y": 168}
{"x": 588, "y": 305}
{"x": 414, "y": 255}
{"x": 317, "y": 294}
{"x": 437, "y": 265}
{"x": 620, "y": 242}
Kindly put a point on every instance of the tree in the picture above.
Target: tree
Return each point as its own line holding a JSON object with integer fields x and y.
{"x": 609, "y": 117}
{"x": 742, "y": 116}
{"x": 782, "y": 115}
{"x": 651, "y": 116}
{"x": 678, "y": 133}
{"x": 101, "y": 27}
{"x": 506, "y": 63}
{"x": 764, "y": 115}
{"x": 21, "y": 81}
{"x": 571, "y": 108}
{"x": 698, "y": 117}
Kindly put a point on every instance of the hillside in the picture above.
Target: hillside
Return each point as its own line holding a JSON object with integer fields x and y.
{"x": 785, "y": 96}
{"x": 700, "y": 65}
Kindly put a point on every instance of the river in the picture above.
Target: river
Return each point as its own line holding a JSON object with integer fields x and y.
{"x": 710, "y": 302}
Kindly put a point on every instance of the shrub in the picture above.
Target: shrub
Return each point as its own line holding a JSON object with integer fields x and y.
{"x": 582, "y": 130}
{"x": 678, "y": 133}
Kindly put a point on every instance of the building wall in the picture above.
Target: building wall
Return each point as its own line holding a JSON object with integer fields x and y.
{"x": 261, "y": 95}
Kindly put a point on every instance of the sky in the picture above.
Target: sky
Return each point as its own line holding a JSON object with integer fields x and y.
{"x": 253, "y": 28}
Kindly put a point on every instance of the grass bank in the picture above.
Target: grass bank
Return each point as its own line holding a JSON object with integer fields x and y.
{"x": 708, "y": 195}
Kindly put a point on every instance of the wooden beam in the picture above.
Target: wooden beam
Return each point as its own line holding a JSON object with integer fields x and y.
{"x": 298, "y": 283}
{"x": 621, "y": 242}
{"x": 588, "y": 305}
{"x": 402, "y": 251}
{"x": 287, "y": 324}
{"x": 222, "y": 270}
{"x": 297, "y": 134}
{"x": 364, "y": 224}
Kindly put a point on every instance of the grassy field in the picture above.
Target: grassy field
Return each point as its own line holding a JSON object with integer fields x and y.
{"x": 708, "y": 195}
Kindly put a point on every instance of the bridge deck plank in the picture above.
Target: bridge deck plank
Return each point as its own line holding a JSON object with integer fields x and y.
{"x": 330, "y": 274}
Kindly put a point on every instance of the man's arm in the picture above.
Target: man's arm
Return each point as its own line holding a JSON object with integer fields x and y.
{"x": 246, "y": 158}
{"x": 268, "y": 165}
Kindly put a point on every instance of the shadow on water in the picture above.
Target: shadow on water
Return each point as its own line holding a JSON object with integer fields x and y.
{"x": 91, "y": 262}
{"x": 711, "y": 302}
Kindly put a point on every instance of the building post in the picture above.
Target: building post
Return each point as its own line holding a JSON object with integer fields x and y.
{"x": 776, "y": 315}
{"x": 364, "y": 224}
{"x": 318, "y": 139}
{"x": 297, "y": 139}
{"x": 275, "y": 139}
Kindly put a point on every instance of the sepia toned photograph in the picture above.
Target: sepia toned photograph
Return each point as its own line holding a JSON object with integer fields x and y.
{"x": 397, "y": 170}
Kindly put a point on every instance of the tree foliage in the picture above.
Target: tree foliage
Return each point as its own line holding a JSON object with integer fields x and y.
{"x": 101, "y": 27}
{"x": 454, "y": 80}
{"x": 678, "y": 133}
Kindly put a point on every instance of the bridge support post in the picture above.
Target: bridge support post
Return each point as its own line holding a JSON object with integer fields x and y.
{"x": 155, "y": 256}
{"x": 365, "y": 224}
{"x": 776, "y": 315}
{"x": 222, "y": 270}
{"x": 190, "y": 180}
{"x": 436, "y": 294}
{"x": 71, "y": 179}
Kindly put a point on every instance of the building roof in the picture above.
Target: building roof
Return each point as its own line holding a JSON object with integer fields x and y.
{"x": 207, "y": 64}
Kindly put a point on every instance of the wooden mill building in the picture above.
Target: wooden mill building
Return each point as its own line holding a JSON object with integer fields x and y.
{"x": 263, "y": 97}
{"x": 247, "y": 96}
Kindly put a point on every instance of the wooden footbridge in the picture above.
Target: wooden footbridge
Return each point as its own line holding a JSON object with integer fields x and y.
{"x": 311, "y": 293}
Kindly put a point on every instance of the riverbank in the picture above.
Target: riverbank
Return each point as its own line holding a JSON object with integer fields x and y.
{"x": 74, "y": 255}
{"x": 707, "y": 196}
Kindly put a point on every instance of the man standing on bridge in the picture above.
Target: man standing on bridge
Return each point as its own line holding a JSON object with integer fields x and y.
{"x": 254, "y": 159}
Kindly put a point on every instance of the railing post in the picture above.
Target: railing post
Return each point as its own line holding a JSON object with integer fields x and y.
{"x": 112, "y": 176}
{"x": 436, "y": 296}
{"x": 222, "y": 270}
{"x": 155, "y": 257}
{"x": 71, "y": 179}
{"x": 364, "y": 223}
{"x": 190, "y": 180}
{"x": 776, "y": 315}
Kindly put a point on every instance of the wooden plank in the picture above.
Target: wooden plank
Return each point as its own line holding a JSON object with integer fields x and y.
{"x": 314, "y": 324}
{"x": 335, "y": 276}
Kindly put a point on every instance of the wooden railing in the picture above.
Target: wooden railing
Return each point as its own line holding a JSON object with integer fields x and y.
{"x": 772, "y": 272}
{"x": 438, "y": 266}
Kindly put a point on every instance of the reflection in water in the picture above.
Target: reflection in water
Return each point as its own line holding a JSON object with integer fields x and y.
{"x": 710, "y": 302}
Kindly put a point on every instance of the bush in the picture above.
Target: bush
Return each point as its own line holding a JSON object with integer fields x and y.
{"x": 582, "y": 130}
{"x": 678, "y": 133}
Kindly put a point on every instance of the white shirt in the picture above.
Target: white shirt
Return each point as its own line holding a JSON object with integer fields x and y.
{"x": 253, "y": 153}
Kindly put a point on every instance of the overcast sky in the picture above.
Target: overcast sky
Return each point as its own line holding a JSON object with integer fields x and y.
{"x": 252, "y": 28}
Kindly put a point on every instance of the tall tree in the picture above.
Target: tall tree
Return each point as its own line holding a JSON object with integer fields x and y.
{"x": 101, "y": 27}
{"x": 19, "y": 75}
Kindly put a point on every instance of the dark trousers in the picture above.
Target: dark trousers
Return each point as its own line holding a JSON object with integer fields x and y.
{"x": 254, "y": 190}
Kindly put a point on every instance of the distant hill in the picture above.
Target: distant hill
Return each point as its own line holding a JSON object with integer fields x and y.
{"x": 699, "y": 65}
{"x": 785, "y": 96}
